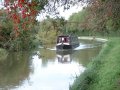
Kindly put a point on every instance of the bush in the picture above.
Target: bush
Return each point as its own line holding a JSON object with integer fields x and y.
{"x": 3, "y": 54}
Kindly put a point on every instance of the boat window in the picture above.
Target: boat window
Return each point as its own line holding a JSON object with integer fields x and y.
{"x": 63, "y": 39}
{"x": 66, "y": 39}
{"x": 60, "y": 40}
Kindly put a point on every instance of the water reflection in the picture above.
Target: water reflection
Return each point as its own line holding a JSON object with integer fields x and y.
{"x": 45, "y": 70}
{"x": 14, "y": 70}
{"x": 64, "y": 56}
{"x": 46, "y": 56}
{"x": 84, "y": 56}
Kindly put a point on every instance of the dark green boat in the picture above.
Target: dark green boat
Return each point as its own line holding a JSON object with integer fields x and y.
{"x": 65, "y": 42}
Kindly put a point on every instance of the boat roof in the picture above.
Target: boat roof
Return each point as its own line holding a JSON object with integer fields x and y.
{"x": 64, "y": 36}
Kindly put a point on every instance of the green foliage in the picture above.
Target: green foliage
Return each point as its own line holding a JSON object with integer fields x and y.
{"x": 105, "y": 15}
{"x": 103, "y": 72}
{"x": 78, "y": 17}
{"x": 3, "y": 54}
{"x": 5, "y": 29}
{"x": 76, "y": 23}
{"x": 99, "y": 17}
{"x": 25, "y": 41}
{"x": 48, "y": 37}
{"x": 49, "y": 30}
{"x": 109, "y": 25}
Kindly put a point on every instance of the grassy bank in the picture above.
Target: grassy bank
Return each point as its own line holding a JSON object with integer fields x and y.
{"x": 103, "y": 72}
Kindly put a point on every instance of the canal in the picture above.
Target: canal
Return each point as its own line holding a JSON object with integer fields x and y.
{"x": 46, "y": 69}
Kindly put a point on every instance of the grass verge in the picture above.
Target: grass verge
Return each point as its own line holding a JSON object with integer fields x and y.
{"x": 103, "y": 72}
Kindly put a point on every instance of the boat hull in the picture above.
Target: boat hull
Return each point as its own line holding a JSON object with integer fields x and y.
{"x": 66, "y": 47}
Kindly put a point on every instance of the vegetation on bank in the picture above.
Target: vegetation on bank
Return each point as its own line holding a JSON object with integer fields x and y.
{"x": 103, "y": 72}
{"x": 3, "y": 54}
{"x": 49, "y": 29}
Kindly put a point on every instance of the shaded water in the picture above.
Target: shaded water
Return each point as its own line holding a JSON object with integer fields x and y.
{"x": 46, "y": 69}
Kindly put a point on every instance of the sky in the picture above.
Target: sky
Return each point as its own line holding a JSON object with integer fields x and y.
{"x": 69, "y": 12}
{"x": 66, "y": 14}
{"x": 1, "y": 4}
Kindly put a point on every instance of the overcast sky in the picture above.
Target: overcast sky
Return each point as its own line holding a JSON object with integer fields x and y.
{"x": 1, "y": 4}
{"x": 66, "y": 14}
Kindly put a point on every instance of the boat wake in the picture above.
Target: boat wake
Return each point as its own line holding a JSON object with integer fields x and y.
{"x": 81, "y": 46}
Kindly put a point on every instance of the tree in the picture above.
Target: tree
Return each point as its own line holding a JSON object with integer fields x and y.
{"x": 49, "y": 29}
{"x": 103, "y": 14}
{"x": 75, "y": 24}
{"x": 23, "y": 13}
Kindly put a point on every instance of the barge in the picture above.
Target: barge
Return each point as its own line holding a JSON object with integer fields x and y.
{"x": 66, "y": 42}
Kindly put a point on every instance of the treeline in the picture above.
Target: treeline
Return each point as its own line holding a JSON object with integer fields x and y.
{"x": 76, "y": 23}
{"x": 49, "y": 29}
{"x": 98, "y": 17}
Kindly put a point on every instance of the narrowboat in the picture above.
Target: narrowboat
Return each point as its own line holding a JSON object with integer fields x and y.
{"x": 65, "y": 42}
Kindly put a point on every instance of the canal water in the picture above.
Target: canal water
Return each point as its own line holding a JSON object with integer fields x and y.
{"x": 46, "y": 69}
